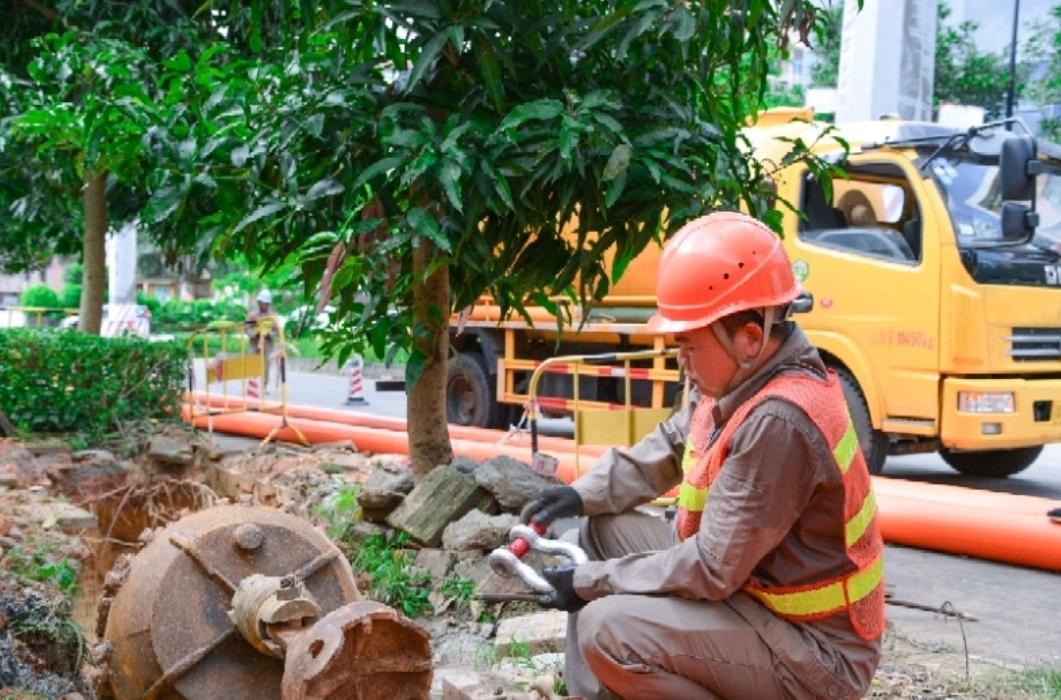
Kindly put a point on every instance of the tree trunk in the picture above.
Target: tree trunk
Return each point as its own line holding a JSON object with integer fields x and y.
{"x": 94, "y": 278}
{"x": 426, "y": 411}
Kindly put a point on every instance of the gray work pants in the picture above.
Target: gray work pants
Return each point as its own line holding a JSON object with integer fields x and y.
{"x": 638, "y": 646}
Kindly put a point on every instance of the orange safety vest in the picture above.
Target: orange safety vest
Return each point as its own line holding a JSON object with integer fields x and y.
{"x": 861, "y": 591}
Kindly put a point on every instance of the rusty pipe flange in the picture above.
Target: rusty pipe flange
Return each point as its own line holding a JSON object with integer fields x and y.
{"x": 168, "y": 632}
{"x": 264, "y": 606}
{"x": 362, "y": 651}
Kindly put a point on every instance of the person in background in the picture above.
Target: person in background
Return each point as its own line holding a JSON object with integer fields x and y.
{"x": 263, "y": 329}
{"x": 769, "y": 583}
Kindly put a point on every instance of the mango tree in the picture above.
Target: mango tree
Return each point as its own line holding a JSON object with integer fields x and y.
{"x": 439, "y": 149}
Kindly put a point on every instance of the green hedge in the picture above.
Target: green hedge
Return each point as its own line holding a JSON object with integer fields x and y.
{"x": 55, "y": 381}
{"x": 176, "y": 314}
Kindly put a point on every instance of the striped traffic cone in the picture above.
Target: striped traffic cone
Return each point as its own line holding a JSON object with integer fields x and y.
{"x": 355, "y": 389}
{"x": 254, "y": 390}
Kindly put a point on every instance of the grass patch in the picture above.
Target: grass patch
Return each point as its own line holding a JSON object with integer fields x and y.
{"x": 40, "y": 565}
{"x": 340, "y": 511}
{"x": 396, "y": 580}
{"x": 1030, "y": 684}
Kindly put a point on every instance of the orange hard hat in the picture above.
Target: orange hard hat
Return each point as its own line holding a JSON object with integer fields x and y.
{"x": 718, "y": 265}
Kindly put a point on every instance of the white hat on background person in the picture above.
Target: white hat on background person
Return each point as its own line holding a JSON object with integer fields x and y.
{"x": 265, "y": 297}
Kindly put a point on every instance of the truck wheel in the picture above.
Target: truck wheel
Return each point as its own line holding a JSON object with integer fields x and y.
{"x": 471, "y": 397}
{"x": 874, "y": 443}
{"x": 996, "y": 464}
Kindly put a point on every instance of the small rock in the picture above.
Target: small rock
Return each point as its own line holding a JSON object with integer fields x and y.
{"x": 94, "y": 457}
{"x": 512, "y": 482}
{"x": 542, "y": 632}
{"x": 170, "y": 451}
{"x": 68, "y": 518}
{"x": 8, "y": 475}
{"x": 438, "y": 562}
{"x": 465, "y": 465}
{"x": 7, "y": 543}
{"x": 385, "y": 488}
{"x": 362, "y": 531}
{"x": 477, "y": 530}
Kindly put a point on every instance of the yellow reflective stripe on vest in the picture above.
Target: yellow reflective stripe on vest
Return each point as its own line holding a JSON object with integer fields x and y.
{"x": 691, "y": 498}
{"x": 856, "y": 526}
{"x": 826, "y": 599}
{"x": 844, "y": 452}
{"x": 688, "y": 459}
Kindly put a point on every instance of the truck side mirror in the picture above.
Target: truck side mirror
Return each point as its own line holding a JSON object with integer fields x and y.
{"x": 1017, "y": 168}
{"x": 1018, "y": 222}
{"x": 803, "y": 304}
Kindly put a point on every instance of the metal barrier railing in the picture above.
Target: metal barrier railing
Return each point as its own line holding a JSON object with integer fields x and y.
{"x": 601, "y": 423}
{"x": 233, "y": 362}
{"x": 37, "y": 313}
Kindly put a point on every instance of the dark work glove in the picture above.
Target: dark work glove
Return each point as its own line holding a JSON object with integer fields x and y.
{"x": 564, "y": 598}
{"x": 552, "y": 503}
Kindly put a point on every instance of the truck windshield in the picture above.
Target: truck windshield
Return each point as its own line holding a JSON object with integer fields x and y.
{"x": 971, "y": 190}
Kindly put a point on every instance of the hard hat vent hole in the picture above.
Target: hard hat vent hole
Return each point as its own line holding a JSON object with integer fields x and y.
{"x": 725, "y": 276}
{"x": 316, "y": 648}
{"x": 740, "y": 265}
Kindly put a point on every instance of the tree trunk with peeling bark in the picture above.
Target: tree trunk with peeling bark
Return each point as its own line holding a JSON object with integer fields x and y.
{"x": 94, "y": 277}
{"x": 429, "y": 444}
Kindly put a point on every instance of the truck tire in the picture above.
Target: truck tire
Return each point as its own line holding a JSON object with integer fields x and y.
{"x": 471, "y": 397}
{"x": 874, "y": 443}
{"x": 996, "y": 464}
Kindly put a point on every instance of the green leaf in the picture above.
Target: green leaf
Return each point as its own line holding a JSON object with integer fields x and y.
{"x": 239, "y": 155}
{"x": 258, "y": 214}
{"x": 488, "y": 66}
{"x": 540, "y": 110}
{"x": 378, "y": 168}
{"x": 180, "y": 63}
{"x": 324, "y": 188}
{"x": 618, "y": 162}
{"x": 449, "y": 175}
{"x": 426, "y": 225}
{"x": 616, "y": 188}
{"x": 427, "y": 57}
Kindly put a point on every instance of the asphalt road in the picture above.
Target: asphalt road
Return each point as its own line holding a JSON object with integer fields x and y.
{"x": 1016, "y": 608}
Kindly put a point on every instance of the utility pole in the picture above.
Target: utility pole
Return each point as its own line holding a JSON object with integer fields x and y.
{"x": 1011, "y": 93}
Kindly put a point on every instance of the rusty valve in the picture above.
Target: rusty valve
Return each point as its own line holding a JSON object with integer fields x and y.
{"x": 243, "y": 602}
{"x": 507, "y": 561}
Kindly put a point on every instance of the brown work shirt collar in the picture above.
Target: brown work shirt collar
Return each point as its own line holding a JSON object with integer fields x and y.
{"x": 795, "y": 354}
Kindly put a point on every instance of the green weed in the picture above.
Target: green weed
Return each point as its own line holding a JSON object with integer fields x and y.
{"x": 460, "y": 590}
{"x": 340, "y": 510}
{"x": 40, "y": 566}
{"x": 396, "y": 580}
{"x": 1031, "y": 684}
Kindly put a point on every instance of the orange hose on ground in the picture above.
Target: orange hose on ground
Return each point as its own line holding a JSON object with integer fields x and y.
{"x": 374, "y": 440}
{"x": 1015, "y": 538}
{"x": 1001, "y": 527}
{"x": 367, "y": 420}
{"x": 960, "y": 495}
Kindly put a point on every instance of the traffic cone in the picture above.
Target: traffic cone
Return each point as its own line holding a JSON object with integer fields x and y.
{"x": 355, "y": 389}
{"x": 254, "y": 390}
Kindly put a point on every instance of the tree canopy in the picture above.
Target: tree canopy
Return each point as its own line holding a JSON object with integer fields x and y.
{"x": 409, "y": 156}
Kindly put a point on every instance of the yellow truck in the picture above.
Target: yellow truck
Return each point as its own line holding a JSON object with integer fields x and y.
{"x": 922, "y": 289}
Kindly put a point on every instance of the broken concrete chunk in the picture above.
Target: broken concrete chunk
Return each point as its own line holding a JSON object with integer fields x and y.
{"x": 441, "y": 497}
{"x": 170, "y": 452}
{"x": 385, "y": 487}
{"x": 66, "y": 517}
{"x": 477, "y": 530}
{"x": 542, "y": 632}
{"x": 438, "y": 562}
{"x": 475, "y": 686}
{"x": 512, "y": 482}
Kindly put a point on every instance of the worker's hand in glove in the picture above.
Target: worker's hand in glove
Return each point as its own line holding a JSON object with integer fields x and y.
{"x": 564, "y": 597}
{"x": 552, "y": 503}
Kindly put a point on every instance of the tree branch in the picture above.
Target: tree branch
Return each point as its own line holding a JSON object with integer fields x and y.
{"x": 44, "y": 10}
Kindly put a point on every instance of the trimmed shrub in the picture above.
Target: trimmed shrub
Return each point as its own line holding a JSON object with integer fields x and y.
{"x": 41, "y": 295}
{"x": 176, "y": 314}
{"x": 72, "y": 382}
